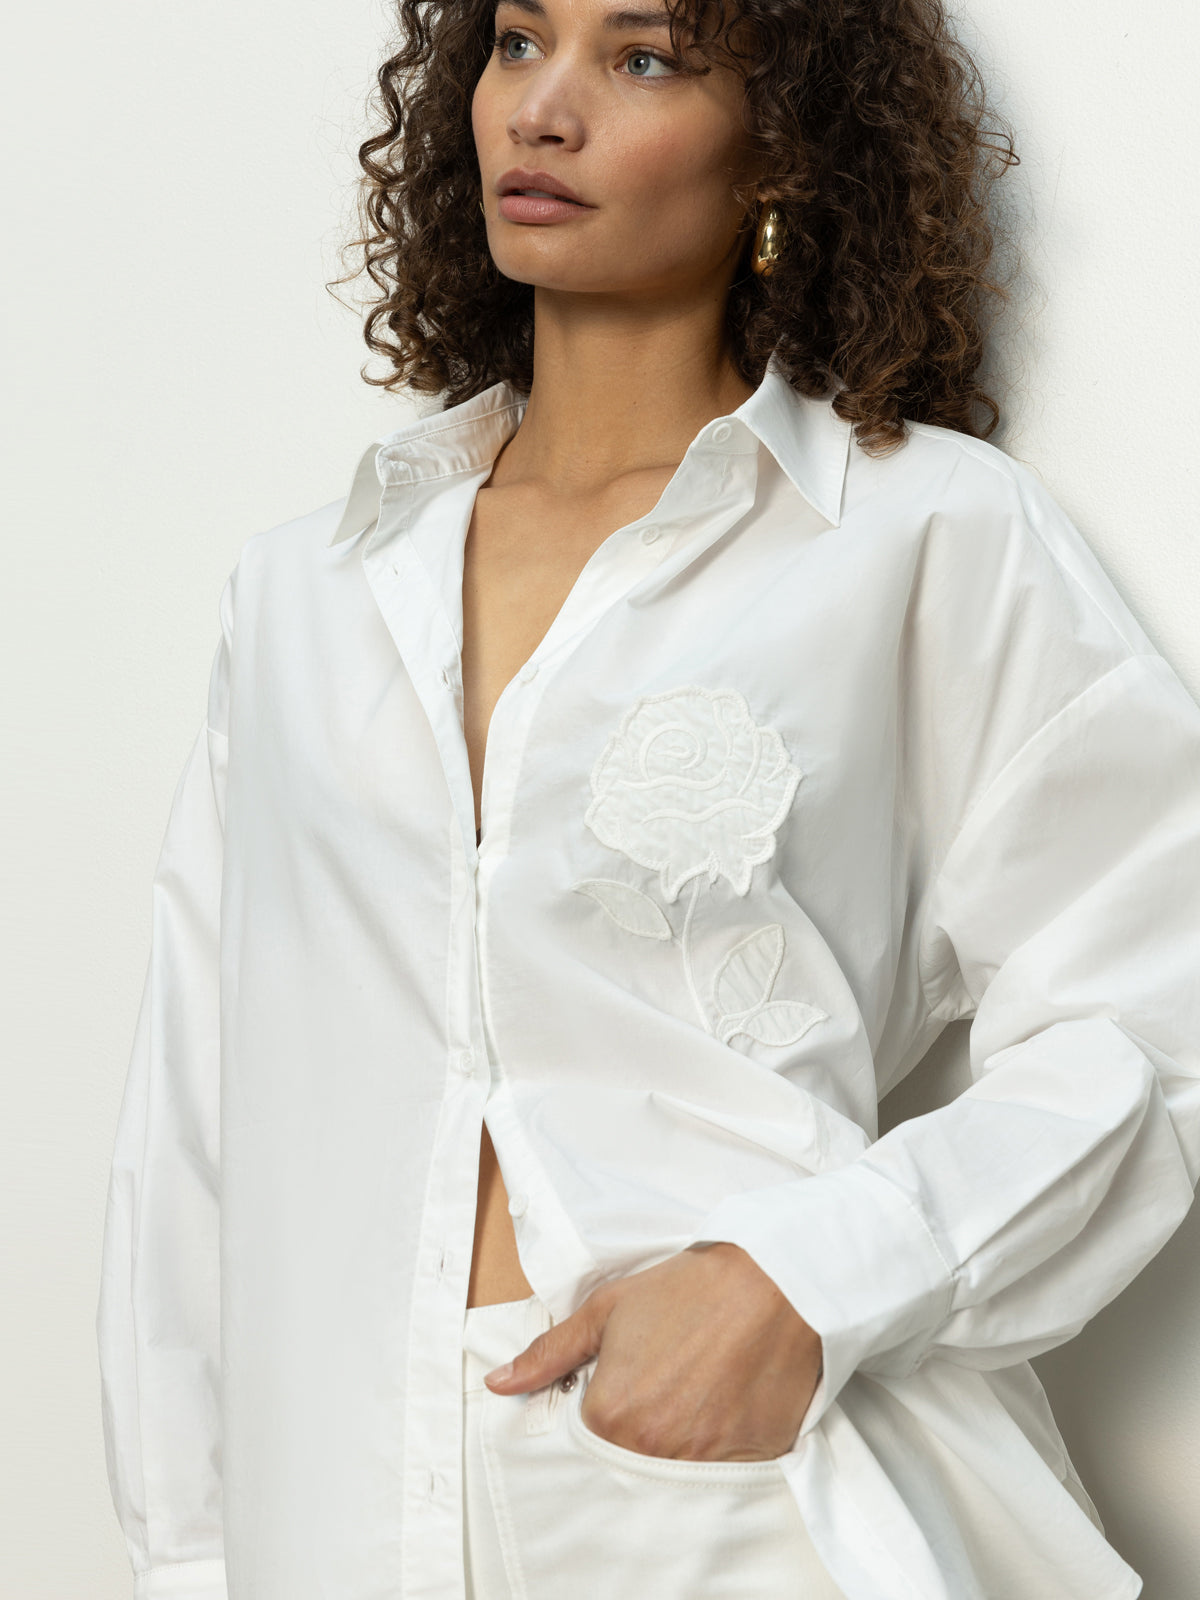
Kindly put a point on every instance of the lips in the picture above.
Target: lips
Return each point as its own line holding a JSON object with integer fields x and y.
{"x": 521, "y": 180}
{"x": 544, "y": 194}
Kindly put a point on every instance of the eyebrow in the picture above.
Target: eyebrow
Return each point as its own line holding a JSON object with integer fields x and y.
{"x": 614, "y": 21}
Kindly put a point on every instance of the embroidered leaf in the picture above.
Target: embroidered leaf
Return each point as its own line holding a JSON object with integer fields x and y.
{"x": 781, "y": 1022}
{"x": 744, "y": 979}
{"x": 730, "y": 1024}
{"x": 628, "y": 907}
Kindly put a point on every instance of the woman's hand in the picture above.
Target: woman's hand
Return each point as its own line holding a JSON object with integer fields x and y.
{"x": 701, "y": 1358}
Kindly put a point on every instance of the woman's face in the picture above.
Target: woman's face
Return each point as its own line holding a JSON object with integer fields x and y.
{"x": 655, "y": 155}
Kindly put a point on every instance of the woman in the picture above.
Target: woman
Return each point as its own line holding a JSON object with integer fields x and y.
{"x": 811, "y": 725}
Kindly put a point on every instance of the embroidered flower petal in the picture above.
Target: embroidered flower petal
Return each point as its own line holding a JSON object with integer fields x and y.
{"x": 688, "y": 784}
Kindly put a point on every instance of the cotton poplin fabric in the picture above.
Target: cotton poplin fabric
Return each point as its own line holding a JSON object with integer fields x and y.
{"x": 822, "y": 753}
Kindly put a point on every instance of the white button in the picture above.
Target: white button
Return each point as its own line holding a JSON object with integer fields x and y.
{"x": 721, "y": 432}
{"x": 518, "y": 1204}
{"x": 445, "y": 677}
{"x": 528, "y": 671}
{"x": 395, "y": 567}
{"x": 433, "y": 1483}
{"x": 441, "y": 1266}
{"x": 649, "y": 533}
{"x": 465, "y": 1061}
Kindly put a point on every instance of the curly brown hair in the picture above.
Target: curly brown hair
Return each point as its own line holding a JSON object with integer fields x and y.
{"x": 869, "y": 117}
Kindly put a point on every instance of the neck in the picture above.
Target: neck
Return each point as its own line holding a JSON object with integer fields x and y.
{"x": 616, "y": 392}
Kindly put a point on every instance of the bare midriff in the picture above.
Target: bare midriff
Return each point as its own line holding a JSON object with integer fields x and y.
{"x": 495, "y": 1265}
{"x": 514, "y": 585}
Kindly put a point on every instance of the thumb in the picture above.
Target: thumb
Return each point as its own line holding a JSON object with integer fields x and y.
{"x": 559, "y": 1350}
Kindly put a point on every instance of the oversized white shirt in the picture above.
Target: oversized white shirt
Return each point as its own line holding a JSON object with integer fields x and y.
{"x": 819, "y": 755}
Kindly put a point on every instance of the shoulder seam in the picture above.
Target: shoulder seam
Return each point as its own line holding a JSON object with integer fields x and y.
{"x": 965, "y": 444}
{"x": 1021, "y": 480}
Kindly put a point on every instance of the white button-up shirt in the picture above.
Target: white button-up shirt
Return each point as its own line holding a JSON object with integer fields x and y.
{"x": 820, "y": 754}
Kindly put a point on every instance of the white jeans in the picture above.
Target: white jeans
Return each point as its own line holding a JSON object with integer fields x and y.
{"x": 554, "y": 1512}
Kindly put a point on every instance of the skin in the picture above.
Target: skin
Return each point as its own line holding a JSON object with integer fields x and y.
{"x": 700, "y": 1357}
{"x": 630, "y": 356}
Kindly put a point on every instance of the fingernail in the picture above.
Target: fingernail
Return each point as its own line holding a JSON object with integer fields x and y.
{"x": 501, "y": 1374}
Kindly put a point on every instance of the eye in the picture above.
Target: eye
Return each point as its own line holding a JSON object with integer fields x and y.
{"x": 503, "y": 38}
{"x": 500, "y": 45}
{"x": 648, "y": 55}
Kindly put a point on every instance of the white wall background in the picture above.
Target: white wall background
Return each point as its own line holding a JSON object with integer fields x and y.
{"x": 178, "y": 379}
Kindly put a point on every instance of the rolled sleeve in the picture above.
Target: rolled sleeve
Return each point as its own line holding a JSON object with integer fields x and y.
{"x": 851, "y": 1254}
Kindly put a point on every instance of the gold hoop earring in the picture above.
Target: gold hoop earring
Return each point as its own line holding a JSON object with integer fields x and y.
{"x": 483, "y": 208}
{"x": 768, "y": 241}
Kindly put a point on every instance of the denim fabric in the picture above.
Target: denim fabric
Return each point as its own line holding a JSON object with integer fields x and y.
{"x": 551, "y": 1509}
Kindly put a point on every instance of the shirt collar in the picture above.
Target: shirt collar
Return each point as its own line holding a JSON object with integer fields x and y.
{"x": 806, "y": 437}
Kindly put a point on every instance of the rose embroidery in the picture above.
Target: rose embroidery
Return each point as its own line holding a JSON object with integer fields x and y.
{"x": 690, "y": 787}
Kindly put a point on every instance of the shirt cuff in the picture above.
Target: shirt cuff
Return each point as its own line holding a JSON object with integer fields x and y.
{"x": 183, "y": 1580}
{"x": 853, "y": 1256}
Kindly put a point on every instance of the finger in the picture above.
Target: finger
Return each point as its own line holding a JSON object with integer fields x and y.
{"x": 559, "y": 1350}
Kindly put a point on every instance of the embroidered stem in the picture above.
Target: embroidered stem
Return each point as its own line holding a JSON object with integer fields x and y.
{"x": 687, "y": 965}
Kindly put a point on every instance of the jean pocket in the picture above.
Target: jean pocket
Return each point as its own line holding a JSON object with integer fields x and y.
{"x": 581, "y": 1516}
{"x": 667, "y": 1469}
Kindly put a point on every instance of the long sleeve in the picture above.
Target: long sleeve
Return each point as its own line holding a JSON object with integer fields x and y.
{"x": 157, "y": 1318}
{"x": 1063, "y": 917}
